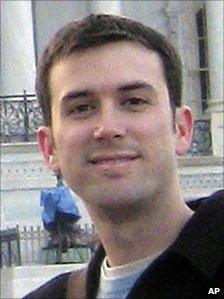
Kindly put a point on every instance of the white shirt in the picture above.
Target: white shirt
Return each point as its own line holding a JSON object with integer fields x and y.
{"x": 116, "y": 282}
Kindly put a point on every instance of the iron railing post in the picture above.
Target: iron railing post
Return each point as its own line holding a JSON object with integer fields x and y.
{"x": 26, "y": 117}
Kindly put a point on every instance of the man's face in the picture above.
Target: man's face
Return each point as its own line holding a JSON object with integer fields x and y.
{"x": 114, "y": 140}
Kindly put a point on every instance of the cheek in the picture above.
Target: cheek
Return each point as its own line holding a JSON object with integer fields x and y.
{"x": 71, "y": 146}
{"x": 71, "y": 142}
{"x": 155, "y": 134}
{"x": 154, "y": 126}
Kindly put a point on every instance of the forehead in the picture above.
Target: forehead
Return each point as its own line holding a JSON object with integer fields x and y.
{"x": 105, "y": 67}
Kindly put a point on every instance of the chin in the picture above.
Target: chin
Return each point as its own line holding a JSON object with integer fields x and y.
{"x": 123, "y": 191}
{"x": 113, "y": 196}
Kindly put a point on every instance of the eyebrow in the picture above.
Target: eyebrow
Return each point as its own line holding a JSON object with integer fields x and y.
{"x": 77, "y": 94}
{"x": 136, "y": 85}
{"x": 123, "y": 88}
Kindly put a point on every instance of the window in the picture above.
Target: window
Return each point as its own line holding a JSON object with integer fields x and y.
{"x": 203, "y": 57}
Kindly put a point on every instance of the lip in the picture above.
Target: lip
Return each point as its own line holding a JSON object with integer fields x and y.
{"x": 113, "y": 159}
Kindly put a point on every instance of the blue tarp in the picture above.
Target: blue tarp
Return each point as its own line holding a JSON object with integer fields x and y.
{"x": 58, "y": 204}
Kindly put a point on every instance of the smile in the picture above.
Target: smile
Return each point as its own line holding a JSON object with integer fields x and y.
{"x": 113, "y": 159}
{"x": 115, "y": 166}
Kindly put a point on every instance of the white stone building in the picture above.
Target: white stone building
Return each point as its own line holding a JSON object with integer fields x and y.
{"x": 27, "y": 27}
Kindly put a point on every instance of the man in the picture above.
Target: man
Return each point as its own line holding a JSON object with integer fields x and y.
{"x": 110, "y": 91}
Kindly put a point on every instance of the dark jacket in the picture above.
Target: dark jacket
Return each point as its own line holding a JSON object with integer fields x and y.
{"x": 192, "y": 265}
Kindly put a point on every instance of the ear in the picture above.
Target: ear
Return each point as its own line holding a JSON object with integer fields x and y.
{"x": 47, "y": 147}
{"x": 184, "y": 130}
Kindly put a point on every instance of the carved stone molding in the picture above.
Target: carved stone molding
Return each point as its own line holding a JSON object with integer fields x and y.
{"x": 35, "y": 175}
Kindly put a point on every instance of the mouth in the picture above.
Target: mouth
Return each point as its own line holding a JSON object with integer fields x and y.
{"x": 114, "y": 159}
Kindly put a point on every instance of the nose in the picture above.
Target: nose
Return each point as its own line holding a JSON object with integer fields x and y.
{"x": 110, "y": 124}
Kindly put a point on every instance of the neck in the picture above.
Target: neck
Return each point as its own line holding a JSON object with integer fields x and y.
{"x": 133, "y": 233}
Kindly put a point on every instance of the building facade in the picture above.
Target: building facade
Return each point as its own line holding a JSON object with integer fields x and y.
{"x": 194, "y": 27}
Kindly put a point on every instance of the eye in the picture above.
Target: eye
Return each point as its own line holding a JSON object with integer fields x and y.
{"x": 135, "y": 104}
{"x": 83, "y": 110}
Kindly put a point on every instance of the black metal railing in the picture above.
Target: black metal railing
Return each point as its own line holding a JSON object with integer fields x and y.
{"x": 10, "y": 247}
{"x": 20, "y": 118}
{"x": 30, "y": 245}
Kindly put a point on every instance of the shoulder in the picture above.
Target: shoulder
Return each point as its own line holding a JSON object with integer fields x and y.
{"x": 61, "y": 286}
{"x": 208, "y": 218}
{"x": 54, "y": 288}
{"x": 201, "y": 241}
{"x": 213, "y": 201}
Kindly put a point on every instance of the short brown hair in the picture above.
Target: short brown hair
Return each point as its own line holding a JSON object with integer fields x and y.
{"x": 100, "y": 29}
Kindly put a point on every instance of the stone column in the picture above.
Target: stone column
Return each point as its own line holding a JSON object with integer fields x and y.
{"x": 99, "y": 6}
{"x": 17, "y": 55}
{"x": 214, "y": 11}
